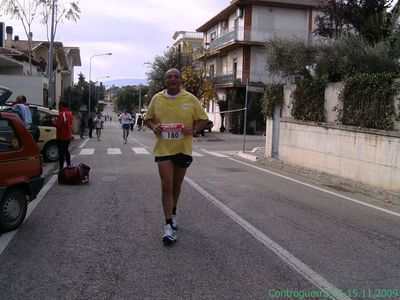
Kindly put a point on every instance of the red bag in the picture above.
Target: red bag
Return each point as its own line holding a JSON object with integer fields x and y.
{"x": 74, "y": 175}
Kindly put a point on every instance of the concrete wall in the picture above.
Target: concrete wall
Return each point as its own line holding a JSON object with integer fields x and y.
{"x": 364, "y": 155}
{"x": 30, "y": 86}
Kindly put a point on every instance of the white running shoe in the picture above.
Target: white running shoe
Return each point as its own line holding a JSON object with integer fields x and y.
{"x": 175, "y": 225}
{"x": 169, "y": 235}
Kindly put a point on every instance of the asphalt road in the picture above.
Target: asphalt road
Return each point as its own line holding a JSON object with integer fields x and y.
{"x": 248, "y": 232}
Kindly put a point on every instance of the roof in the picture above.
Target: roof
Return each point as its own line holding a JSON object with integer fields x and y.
{"x": 75, "y": 53}
{"x": 16, "y": 54}
{"x": 235, "y": 3}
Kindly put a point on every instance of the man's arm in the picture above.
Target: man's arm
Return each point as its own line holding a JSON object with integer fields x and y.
{"x": 157, "y": 129}
{"x": 199, "y": 125}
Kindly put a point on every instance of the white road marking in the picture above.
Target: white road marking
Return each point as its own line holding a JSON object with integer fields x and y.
{"x": 138, "y": 150}
{"x": 6, "y": 238}
{"x": 321, "y": 189}
{"x": 282, "y": 253}
{"x": 216, "y": 154}
{"x": 86, "y": 151}
{"x": 84, "y": 143}
{"x": 113, "y": 151}
{"x": 197, "y": 154}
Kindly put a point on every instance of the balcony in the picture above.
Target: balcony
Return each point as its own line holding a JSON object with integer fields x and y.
{"x": 240, "y": 78}
{"x": 248, "y": 34}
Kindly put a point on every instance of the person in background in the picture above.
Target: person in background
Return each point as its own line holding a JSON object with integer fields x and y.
{"x": 63, "y": 123}
{"x": 174, "y": 115}
{"x": 98, "y": 124}
{"x": 90, "y": 126}
{"x": 132, "y": 123}
{"x": 125, "y": 119}
{"x": 22, "y": 108}
{"x": 82, "y": 125}
{"x": 140, "y": 123}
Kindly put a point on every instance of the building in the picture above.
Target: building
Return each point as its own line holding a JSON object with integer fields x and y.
{"x": 34, "y": 85}
{"x": 186, "y": 43}
{"x": 234, "y": 54}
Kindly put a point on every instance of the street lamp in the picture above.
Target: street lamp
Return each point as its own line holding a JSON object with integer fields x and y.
{"x": 95, "y": 84}
{"x": 90, "y": 73}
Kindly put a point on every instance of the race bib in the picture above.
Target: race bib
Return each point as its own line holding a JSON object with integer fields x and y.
{"x": 172, "y": 131}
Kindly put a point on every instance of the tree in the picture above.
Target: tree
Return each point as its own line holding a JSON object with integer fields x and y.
{"x": 26, "y": 13}
{"x": 77, "y": 95}
{"x": 368, "y": 18}
{"x": 289, "y": 56}
{"x": 69, "y": 11}
{"x": 194, "y": 78}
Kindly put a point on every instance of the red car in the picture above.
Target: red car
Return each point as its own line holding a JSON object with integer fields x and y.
{"x": 21, "y": 171}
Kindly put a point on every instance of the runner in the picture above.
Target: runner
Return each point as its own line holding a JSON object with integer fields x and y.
{"x": 174, "y": 115}
{"x": 125, "y": 119}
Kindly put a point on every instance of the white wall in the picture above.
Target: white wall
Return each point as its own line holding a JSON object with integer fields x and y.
{"x": 363, "y": 157}
{"x": 29, "y": 86}
{"x": 368, "y": 156}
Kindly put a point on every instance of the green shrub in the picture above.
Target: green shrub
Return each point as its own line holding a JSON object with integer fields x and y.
{"x": 273, "y": 94}
{"x": 367, "y": 100}
{"x": 308, "y": 101}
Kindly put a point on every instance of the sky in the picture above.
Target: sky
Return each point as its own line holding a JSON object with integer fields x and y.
{"x": 134, "y": 31}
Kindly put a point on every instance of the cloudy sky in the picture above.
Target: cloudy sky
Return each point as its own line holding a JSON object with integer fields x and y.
{"x": 135, "y": 31}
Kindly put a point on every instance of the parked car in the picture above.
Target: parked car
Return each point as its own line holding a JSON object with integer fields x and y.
{"x": 21, "y": 169}
{"x": 41, "y": 118}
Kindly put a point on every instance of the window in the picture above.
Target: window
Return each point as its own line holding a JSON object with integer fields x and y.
{"x": 213, "y": 35}
{"x": 8, "y": 138}
{"x": 211, "y": 70}
{"x": 44, "y": 118}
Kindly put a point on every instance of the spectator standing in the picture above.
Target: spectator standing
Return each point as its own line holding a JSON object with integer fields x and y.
{"x": 82, "y": 126}
{"x": 63, "y": 123}
{"x": 90, "y": 125}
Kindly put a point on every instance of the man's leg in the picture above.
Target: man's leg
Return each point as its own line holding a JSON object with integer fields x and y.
{"x": 178, "y": 176}
{"x": 61, "y": 155}
{"x": 67, "y": 154}
{"x": 166, "y": 172}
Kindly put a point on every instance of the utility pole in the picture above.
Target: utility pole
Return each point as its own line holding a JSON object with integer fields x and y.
{"x": 50, "y": 93}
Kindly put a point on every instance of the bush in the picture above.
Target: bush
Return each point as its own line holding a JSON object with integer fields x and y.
{"x": 308, "y": 101}
{"x": 367, "y": 100}
{"x": 273, "y": 94}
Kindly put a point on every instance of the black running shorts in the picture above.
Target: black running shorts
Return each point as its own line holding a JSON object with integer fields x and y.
{"x": 180, "y": 159}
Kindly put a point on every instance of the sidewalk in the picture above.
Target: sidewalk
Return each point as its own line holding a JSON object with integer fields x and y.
{"x": 332, "y": 182}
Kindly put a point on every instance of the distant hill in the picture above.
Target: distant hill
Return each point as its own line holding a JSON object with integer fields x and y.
{"x": 124, "y": 82}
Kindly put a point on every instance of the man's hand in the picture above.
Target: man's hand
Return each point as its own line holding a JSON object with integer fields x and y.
{"x": 157, "y": 128}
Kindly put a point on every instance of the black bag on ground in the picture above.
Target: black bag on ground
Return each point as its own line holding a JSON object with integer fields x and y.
{"x": 74, "y": 175}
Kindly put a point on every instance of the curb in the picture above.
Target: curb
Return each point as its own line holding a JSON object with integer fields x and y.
{"x": 330, "y": 181}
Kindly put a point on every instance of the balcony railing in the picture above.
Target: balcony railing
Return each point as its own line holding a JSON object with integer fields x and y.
{"x": 240, "y": 78}
{"x": 255, "y": 35}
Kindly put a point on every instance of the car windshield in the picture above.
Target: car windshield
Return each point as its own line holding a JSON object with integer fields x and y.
{"x": 5, "y": 93}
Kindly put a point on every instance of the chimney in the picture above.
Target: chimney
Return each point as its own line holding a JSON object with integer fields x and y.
{"x": 9, "y": 32}
{"x": 16, "y": 38}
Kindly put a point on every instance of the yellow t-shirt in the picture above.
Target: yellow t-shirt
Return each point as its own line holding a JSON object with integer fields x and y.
{"x": 174, "y": 114}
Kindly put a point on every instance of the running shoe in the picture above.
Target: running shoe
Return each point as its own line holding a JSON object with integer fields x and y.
{"x": 175, "y": 225}
{"x": 169, "y": 235}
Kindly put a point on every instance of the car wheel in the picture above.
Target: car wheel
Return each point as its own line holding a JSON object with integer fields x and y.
{"x": 50, "y": 151}
{"x": 13, "y": 209}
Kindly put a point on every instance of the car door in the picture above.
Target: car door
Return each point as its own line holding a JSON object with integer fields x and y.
{"x": 47, "y": 130}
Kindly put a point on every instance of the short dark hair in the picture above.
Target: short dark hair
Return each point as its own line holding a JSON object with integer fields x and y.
{"x": 63, "y": 104}
{"x": 22, "y": 98}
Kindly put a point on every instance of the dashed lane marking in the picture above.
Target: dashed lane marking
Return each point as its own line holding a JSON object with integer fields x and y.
{"x": 86, "y": 151}
{"x": 216, "y": 154}
{"x": 301, "y": 268}
{"x": 138, "y": 150}
{"x": 113, "y": 151}
{"x": 197, "y": 154}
